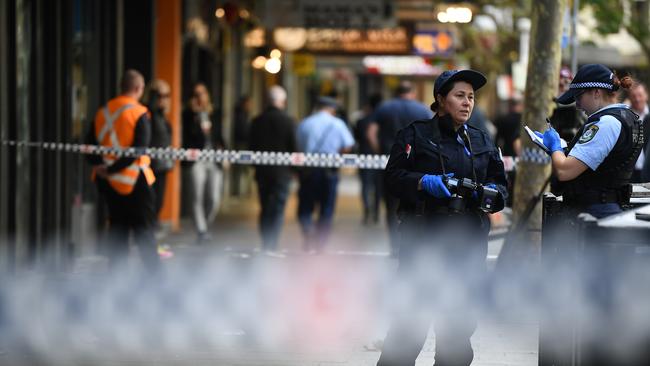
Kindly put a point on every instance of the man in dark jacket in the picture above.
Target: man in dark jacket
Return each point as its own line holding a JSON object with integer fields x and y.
{"x": 161, "y": 135}
{"x": 273, "y": 130}
{"x": 392, "y": 116}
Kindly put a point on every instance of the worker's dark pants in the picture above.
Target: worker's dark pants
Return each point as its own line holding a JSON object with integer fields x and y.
{"x": 135, "y": 212}
{"x": 440, "y": 280}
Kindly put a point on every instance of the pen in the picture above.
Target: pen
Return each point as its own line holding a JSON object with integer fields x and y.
{"x": 548, "y": 124}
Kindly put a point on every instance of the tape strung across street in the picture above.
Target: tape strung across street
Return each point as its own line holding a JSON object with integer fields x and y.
{"x": 241, "y": 157}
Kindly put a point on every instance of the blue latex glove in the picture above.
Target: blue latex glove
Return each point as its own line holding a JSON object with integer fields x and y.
{"x": 434, "y": 185}
{"x": 539, "y": 134}
{"x": 552, "y": 140}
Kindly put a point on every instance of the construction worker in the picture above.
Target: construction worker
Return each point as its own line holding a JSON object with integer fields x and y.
{"x": 125, "y": 182}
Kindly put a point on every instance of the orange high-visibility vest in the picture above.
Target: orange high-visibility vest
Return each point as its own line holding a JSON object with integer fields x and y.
{"x": 115, "y": 127}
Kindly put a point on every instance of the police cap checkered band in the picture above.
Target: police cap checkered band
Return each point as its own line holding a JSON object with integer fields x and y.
{"x": 592, "y": 85}
{"x": 588, "y": 76}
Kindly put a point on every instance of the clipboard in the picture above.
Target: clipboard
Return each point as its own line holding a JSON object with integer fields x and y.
{"x": 540, "y": 141}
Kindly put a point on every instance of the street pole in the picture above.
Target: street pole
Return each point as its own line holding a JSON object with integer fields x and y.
{"x": 574, "y": 37}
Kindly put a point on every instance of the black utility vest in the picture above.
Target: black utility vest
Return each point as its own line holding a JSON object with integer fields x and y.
{"x": 612, "y": 177}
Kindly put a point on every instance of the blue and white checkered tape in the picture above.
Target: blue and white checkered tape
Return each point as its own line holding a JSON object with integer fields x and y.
{"x": 535, "y": 156}
{"x": 241, "y": 157}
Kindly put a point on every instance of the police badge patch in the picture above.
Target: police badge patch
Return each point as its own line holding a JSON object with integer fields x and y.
{"x": 588, "y": 135}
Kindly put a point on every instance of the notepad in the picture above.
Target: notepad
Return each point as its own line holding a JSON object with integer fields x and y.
{"x": 540, "y": 141}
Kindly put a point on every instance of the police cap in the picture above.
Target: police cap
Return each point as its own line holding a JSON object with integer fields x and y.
{"x": 589, "y": 76}
{"x": 475, "y": 78}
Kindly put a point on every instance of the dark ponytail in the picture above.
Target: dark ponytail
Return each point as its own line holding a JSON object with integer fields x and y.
{"x": 622, "y": 80}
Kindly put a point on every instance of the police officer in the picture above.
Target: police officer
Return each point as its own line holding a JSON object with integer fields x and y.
{"x": 443, "y": 235}
{"x": 597, "y": 169}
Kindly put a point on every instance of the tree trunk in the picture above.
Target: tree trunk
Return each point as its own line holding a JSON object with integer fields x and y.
{"x": 541, "y": 87}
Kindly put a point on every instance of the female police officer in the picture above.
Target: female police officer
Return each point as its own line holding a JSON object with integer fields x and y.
{"x": 444, "y": 225}
{"x": 597, "y": 170}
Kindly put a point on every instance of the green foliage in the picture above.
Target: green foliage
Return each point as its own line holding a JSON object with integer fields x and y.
{"x": 608, "y": 13}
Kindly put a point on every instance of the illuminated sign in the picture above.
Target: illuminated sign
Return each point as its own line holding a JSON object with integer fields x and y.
{"x": 399, "y": 65}
{"x": 377, "y": 41}
{"x": 433, "y": 43}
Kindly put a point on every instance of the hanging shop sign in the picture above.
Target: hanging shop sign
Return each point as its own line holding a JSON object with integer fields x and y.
{"x": 400, "y": 65}
{"x": 345, "y": 41}
{"x": 433, "y": 43}
{"x": 303, "y": 64}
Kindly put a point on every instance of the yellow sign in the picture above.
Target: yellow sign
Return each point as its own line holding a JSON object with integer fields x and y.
{"x": 303, "y": 64}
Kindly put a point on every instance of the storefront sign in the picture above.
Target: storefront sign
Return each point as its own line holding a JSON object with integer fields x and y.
{"x": 433, "y": 43}
{"x": 373, "y": 41}
{"x": 303, "y": 64}
{"x": 399, "y": 65}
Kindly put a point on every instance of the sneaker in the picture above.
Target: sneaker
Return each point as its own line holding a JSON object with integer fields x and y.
{"x": 164, "y": 251}
{"x": 203, "y": 238}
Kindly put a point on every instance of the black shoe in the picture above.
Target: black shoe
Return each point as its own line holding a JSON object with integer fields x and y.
{"x": 203, "y": 238}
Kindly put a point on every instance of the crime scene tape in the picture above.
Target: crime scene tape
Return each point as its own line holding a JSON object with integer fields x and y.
{"x": 241, "y": 157}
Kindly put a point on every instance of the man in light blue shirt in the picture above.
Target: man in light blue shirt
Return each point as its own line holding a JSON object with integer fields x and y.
{"x": 324, "y": 133}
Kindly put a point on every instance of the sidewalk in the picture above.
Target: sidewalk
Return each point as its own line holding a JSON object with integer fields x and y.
{"x": 226, "y": 303}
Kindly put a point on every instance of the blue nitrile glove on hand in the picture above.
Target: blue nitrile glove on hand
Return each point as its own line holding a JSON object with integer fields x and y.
{"x": 552, "y": 140}
{"x": 434, "y": 185}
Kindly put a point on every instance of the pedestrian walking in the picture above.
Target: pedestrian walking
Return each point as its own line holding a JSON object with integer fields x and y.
{"x": 324, "y": 133}
{"x": 595, "y": 171}
{"x": 444, "y": 223}
{"x": 273, "y": 130}
{"x": 365, "y": 133}
{"x": 125, "y": 182}
{"x": 241, "y": 134}
{"x": 392, "y": 116}
{"x": 161, "y": 136}
{"x": 202, "y": 130}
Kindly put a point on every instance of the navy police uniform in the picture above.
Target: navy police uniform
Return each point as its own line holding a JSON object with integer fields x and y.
{"x": 604, "y": 187}
{"x": 442, "y": 255}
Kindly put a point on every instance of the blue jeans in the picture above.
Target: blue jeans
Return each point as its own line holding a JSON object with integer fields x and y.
{"x": 273, "y": 193}
{"x": 317, "y": 188}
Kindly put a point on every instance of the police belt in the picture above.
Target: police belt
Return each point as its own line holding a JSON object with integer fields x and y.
{"x": 620, "y": 196}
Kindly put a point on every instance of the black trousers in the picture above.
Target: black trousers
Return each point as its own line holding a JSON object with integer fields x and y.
{"x": 159, "y": 188}
{"x": 440, "y": 281}
{"x": 133, "y": 213}
{"x": 273, "y": 194}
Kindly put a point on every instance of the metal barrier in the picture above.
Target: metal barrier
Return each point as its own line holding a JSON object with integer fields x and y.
{"x": 586, "y": 265}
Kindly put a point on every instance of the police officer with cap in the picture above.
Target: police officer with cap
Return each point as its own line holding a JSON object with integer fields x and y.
{"x": 442, "y": 170}
{"x": 597, "y": 169}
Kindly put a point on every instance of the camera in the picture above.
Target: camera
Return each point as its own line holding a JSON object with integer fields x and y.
{"x": 464, "y": 189}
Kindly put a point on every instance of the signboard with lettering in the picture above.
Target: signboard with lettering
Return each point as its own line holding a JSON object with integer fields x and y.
{"x": 433, "y": 43}
{"x": 345, "y": 41}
